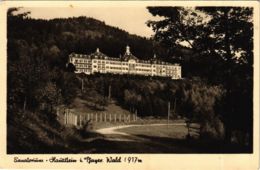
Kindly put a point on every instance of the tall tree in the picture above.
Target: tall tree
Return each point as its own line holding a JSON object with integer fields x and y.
{"x": 222, "y": 38}
{"x": 232, "y": 32}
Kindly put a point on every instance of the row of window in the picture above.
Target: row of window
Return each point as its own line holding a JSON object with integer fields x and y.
{"x": 117, "y": 71}
{"x": 84, "y": 70}
{"x": 120, "y": 63}
{"x": 137, "y": 69}
{"x": 147, "y": 70}
{"x": 79, "y": 66}
{"x": 82, "y": 61}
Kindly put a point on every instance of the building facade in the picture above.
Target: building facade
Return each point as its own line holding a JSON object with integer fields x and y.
{"x": 98, "y": 62}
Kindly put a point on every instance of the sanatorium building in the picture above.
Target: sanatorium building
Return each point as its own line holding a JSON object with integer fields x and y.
{"x": 98, "y": 62}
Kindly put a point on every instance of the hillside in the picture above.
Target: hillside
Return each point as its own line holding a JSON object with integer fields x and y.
{"x": 79, "y": 35}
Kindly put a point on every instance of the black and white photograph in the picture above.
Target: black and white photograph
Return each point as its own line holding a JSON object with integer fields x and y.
{"x": 149, "y": 79}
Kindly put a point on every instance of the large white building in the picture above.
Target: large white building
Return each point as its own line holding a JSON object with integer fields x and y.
{"x": 98, "y": 62}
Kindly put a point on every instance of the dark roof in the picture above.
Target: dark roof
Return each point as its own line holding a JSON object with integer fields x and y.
{"x": 98, "y": 55}
{"x": 127, "y": 56}
{"x": 130, "y": 56}
{"x": 79, "y": 55}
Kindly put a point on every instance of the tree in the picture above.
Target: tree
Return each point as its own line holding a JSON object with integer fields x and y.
{"x": 29, "y": 74}
{"x": 232, "y": 30}
{"x": 50, "y": 94}
{"x": 69, "y": 87}
{"x": 132, "y": 99}
{"x": 221, "y": 37}
{"x": 198, "y": 102}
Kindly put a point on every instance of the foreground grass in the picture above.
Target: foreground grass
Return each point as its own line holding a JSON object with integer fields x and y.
{"x": 31, "y": 133}
{"x": 160, "y": 139}
{"x": 171, "y": 131}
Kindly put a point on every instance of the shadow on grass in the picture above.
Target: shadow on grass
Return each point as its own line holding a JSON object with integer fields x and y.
{"x": 96, "y": 143}
{"x": 150, "y": 144}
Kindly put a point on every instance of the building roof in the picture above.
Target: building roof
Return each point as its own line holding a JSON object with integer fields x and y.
{"x": 98, "y": 55}
{"x": 127, "y": 56}
{"x": 79, "y": 55}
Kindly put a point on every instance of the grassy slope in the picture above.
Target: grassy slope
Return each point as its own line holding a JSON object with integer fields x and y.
{"x": 81, "y": 106}
{"x": 39, "y": 133}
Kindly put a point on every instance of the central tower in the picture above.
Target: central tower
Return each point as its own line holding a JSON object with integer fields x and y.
{"x": 127, "y": 50}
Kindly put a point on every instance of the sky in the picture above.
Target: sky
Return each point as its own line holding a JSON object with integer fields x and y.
{"x": 131, "y": 19}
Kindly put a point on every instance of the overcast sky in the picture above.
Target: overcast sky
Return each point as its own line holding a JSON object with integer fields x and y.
{"x": 131, "y": 19}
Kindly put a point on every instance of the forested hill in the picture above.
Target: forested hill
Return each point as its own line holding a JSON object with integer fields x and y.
{"x": 59, "y": 37}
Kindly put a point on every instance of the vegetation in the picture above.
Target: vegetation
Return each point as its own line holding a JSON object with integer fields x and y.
{"x": 222, "y": 41}
{"x": 217, "y": 61}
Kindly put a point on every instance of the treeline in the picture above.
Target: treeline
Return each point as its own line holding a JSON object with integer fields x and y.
{"x": 60, "y": 37}
{"x": 192, "y": 99}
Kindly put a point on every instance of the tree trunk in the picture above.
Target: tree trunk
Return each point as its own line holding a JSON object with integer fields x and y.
{"x": 24, "y": 103}
{"x": 228, "y": 121}
{"x": 228, "y": 132}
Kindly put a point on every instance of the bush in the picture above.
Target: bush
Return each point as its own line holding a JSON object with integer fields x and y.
{"x": 199, "y": 101}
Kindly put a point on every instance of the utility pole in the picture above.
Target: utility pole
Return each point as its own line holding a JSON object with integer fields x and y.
{"x": 169, "y": 110}
{"x": 175, "y": 100}
{"x": 135, "y": 114}
{"x": 109, "y": 92}
{"x": 82, "y": 85}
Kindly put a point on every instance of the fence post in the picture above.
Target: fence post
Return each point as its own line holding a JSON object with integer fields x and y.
{"x": 105, "y": 117}
{"x": 96, "y": 117}
{"x": 72, "y": 119}
{"x": 128, "y": 118}
{"x": 110, "y": 118}
{"x": 120, "y": 118}
{"x": 66, "y": 113}
{"x": 64, "y": 117}
{"x": 76, "y": 120}
{"x": 88, "y": 116}
{"x": 57, "y": 111}
{"x": 80, "y": 121}
{"x": 68, "y": 117}
{"x": 68, "y": 120}
{"x": 115, "y": 117}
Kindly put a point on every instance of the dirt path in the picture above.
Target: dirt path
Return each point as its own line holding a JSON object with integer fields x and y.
{"x": 112, "y": 134}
